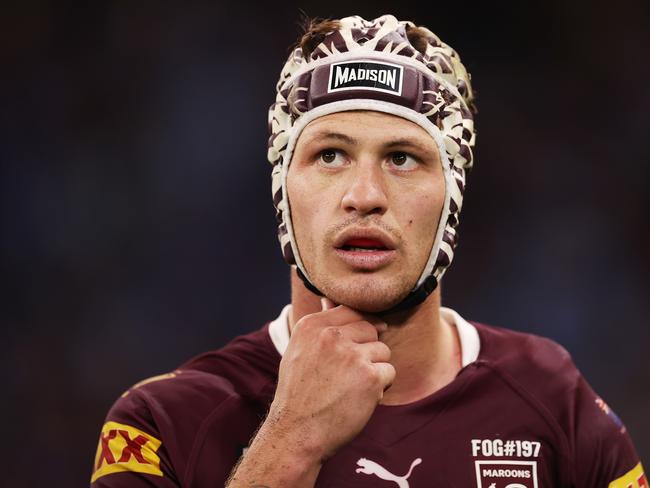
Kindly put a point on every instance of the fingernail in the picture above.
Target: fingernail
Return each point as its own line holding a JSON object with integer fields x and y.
{"x": 382, "y": 326}
{"x": 323, "y": 303}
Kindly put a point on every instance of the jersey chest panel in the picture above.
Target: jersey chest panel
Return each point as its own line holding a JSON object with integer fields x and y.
{"x": 485, "y": 436}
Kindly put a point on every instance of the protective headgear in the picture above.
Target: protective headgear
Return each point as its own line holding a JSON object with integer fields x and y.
{"x": 372, "y": 65}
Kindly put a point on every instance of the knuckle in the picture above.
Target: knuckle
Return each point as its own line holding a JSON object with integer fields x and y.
{"x": 367, "y": 329}
{"x": 367, "y": 325}
{"x": 330, "y": 335}
{"x": 385, "y": 351}
{"x": 372, "y": 373}
{"x": 391, "y": 373}
{"x": 372, "y": 330}
{"x": 355, "y": 356}
{"x": 307, "y": 322}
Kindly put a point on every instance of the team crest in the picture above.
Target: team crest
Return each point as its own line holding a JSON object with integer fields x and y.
{"x": 506, "y": 474}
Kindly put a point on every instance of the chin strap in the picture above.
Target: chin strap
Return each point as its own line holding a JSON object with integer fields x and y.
{"x": 413, "y": 299}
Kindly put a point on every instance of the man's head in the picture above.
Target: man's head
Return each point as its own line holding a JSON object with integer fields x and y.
{"x": 371, "y": 134}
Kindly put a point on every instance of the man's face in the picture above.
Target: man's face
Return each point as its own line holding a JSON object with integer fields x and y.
{"x": 366, "y": 190}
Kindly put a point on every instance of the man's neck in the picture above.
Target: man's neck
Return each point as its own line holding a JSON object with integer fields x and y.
{"x": 425, "y": 349}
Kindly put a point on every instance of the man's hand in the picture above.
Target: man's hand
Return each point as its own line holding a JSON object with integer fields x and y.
{"x": 332, "y": 376}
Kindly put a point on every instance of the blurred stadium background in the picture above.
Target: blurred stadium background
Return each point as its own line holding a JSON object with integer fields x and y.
{"x": 137, "y": 225}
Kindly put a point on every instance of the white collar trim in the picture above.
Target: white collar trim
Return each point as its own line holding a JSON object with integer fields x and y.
{"x": 470, "y": 344}
{"x": 279, "y": 330}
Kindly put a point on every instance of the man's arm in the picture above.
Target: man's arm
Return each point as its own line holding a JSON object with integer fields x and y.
{"x": 331, "y": 379}
{"x": 130, "y": 451}
{"x": 273, "y": 460}
{"x": 605, "y": 454}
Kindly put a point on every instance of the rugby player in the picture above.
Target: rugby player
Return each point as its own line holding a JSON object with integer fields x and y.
{"x": 365, "y": 380}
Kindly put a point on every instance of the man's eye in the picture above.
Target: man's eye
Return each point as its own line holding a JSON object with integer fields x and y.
{"x": 399, "y": 159}
{"x": 331, "y": 158}
{"x": 403, "y": 160}
{"x": 328, "y": 156}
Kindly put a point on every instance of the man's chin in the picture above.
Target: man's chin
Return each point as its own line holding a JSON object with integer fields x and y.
{"x": 369, "y": 298}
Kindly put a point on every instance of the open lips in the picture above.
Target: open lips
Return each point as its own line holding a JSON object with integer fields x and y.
{"x": 364, "y": 244}
{"x": 365, "y": 249}
{"x": 364, "y": 240}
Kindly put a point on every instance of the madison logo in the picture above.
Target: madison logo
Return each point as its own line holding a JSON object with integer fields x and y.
{"x": 367, "y": 75}
{"x": 125, "y": 448}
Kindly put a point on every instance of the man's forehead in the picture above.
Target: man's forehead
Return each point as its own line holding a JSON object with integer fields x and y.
{"x": 377, "y": 116}
{"x": 354, "y": 128}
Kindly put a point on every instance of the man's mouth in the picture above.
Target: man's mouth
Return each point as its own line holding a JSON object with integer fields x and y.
{"x": 363, "y": 244}
{"x": 365, "y": 250}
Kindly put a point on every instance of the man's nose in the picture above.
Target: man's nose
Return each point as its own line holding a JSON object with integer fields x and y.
{"x": 366, "y": 192}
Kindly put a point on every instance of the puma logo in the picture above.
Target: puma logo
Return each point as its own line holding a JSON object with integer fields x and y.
{"x": 366, "y": 466}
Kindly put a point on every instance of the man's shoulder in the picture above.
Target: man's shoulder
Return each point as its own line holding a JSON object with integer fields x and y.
{"x": 169, "y": 414}
{"x": 544, "y": 375}
{"x": 174, "y": 392}
{"x": 245, "y": 368}
{"x": 243, "y": 371}
{"x": 524, "y": 354}
{"x": 537, "y": 368}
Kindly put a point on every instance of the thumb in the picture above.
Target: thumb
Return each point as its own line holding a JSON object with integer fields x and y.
{"x": 326, "y": 303}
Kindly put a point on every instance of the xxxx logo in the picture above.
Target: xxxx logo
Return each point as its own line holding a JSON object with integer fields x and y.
{"x": 635, "y": 478}
{"x": 125, "y": 448}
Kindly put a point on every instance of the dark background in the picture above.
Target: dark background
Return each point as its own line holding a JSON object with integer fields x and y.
{"x": 137, "y": 227}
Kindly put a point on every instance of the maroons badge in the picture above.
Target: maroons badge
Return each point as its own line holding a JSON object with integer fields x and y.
{"x": 506, "y": 474}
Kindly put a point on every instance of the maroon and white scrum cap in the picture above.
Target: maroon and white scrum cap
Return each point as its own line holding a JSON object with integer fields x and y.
{"x": 371, "y": 65}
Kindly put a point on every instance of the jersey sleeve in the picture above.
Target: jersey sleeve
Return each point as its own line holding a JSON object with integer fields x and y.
{"x": 130, "y": 452}
{"x": 604, "y": 453}
{"x": 594, "y": 445}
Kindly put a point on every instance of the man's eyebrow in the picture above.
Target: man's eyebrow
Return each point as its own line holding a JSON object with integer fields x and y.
{"x": 335, "y": 135}
{"x": 407, "y": 143}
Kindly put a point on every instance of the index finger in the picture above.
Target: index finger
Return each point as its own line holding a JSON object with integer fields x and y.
{"x": 342, "y": 314}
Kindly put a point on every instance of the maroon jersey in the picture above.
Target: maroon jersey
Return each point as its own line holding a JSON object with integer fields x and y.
{"x": 518, "y": 415}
